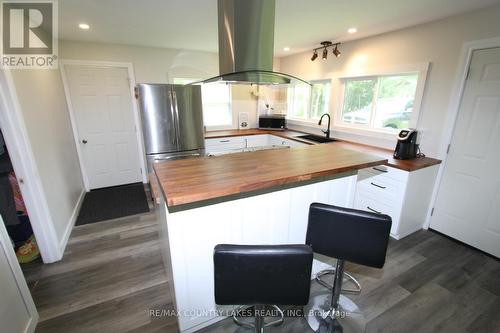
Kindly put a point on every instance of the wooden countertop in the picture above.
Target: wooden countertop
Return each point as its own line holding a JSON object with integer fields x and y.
{"x": 406, "y": 165}
{"x": 193, "y": 180}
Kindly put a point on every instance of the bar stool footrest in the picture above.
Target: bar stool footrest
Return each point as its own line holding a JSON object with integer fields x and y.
{"x": 357, "y": 286}
{"x": 276, "y": 322}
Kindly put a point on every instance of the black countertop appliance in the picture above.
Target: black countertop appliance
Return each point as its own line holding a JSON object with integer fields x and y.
{"x": 272, "y": 122}
{"x": 407, "y": 147}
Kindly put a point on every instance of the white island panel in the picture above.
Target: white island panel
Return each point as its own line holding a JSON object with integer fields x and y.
{"x": 278, "y": 217}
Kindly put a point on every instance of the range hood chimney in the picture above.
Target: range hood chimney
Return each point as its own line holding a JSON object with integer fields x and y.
{"x": 246, "y": 43}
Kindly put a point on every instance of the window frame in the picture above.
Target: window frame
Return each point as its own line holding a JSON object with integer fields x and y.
{"x": 338, "y": 124}
{"x": 231, "y": 125}
{"x": 309, "y": 119}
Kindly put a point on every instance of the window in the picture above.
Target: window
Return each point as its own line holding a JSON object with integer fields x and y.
{"x": 309, "y": 102}
{"x": 380, "y": 102}
{"x": 217, "y": 109}
{"x": 216, "y": 99}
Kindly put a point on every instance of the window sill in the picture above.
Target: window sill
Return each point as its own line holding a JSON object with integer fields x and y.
{"x": 303, "y": 122}
{"x": 371, "y": 132}
{"x": 373, "y": 137}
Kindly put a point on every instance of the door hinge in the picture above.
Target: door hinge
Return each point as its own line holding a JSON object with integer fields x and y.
{"x": 432, "y": 211}
{"x": 448, "y": 149}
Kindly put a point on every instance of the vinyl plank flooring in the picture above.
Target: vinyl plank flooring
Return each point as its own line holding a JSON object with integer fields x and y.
{"x": 123, "y": 314}
{"x": 112, "y": 274}
{"x": 488, "y": 321}
{"x": 414, "y": 311}
{"x": 102, "y": 250}
{"x": 74, "y": 290}
{"x": 93, "y": 231}
{"x": 380, "y": 299}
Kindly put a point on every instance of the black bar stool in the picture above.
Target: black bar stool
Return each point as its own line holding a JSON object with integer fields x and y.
{"x": 260, "y": 275}
{"x": 347, "y": 235}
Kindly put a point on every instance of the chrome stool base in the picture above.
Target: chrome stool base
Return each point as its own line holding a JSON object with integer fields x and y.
{"x": 259, "y": 323}
{"x": 357, "y": 286}
{"x": 323, "y": 319}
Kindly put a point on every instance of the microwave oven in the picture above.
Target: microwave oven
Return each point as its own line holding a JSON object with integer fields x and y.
{"x": 272, "y": 122}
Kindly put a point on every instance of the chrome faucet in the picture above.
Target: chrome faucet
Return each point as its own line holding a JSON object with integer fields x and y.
{"x": 327, "y": 131}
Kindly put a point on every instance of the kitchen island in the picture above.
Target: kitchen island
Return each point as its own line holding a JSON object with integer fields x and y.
{"x": 259, "y": 197}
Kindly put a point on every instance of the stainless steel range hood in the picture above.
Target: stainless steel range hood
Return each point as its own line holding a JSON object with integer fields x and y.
{"x": 246, "y": 43}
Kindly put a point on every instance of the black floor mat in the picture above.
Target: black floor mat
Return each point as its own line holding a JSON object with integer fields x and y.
{"x": 113, "y": 202}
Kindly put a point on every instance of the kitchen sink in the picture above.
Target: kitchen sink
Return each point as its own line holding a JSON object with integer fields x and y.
{"x": 316, "y": 138}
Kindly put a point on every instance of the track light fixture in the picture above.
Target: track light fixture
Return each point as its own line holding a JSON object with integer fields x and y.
{"x": 336, "y": 51}
{"x": 314, "y": 56}
{"x": 324, "y": 47}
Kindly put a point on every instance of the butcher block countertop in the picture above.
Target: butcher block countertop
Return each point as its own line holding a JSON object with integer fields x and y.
{"x": 189, "y": 181}
{"x": 406, "y": 165}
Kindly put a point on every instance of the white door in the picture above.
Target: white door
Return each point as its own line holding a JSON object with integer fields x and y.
{"x": 17, "y": 310}
{"x": 468, "y": 202}
{"x": 104, "y": 116}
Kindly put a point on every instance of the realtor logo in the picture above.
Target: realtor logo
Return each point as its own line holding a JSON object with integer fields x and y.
{"x": 29, "y": 34}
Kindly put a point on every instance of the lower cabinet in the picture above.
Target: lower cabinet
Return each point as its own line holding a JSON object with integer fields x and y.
{"x": 404, "y": 196}
{"x": 236, "y": 144}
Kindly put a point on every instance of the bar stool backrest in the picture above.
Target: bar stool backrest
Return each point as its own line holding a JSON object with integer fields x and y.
{"x": 348, "y": 234}
{"x": 262, "y": 274}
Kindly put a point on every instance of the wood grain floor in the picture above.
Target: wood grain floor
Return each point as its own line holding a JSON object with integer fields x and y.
{"x": 112, "y": 276}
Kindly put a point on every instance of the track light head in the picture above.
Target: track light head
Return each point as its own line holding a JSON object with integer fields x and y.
{"x": 325, "y": 46}
{"x": 336, "y": 51}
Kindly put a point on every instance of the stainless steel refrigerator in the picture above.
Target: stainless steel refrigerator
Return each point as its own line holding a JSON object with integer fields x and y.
{"x": 172, "y": 121}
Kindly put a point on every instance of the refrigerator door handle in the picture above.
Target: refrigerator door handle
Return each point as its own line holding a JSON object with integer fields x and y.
{"x": 176, "y": 157}
{"x": 176, "y": 108}
{"x": 174, "y": 117}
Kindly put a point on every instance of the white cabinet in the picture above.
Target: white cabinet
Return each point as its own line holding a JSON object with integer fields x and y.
{"x": 403, "y": 195}
{"x": 280, "y": 141}
{"x": 226, "y": 144}
{"x": 254, "y": 141}
{"x": 236, "y": 144}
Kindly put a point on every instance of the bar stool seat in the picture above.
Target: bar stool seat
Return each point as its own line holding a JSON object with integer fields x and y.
{"x": 260, "y": 276}
{"x": 347, "y": 235}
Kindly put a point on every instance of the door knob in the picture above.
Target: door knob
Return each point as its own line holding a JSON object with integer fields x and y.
{"x": 84, "y": 141}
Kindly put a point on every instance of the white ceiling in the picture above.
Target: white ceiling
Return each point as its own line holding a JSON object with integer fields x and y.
{"x": 300, "y": 24}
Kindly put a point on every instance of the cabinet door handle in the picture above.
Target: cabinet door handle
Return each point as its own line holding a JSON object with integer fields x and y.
{"x": 373, "y": 210}
{"x": 224, "y": 141}
{"x": 381, "y": 170}
{"x": 379, "y": 186}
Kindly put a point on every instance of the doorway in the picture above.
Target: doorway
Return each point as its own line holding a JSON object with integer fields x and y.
{"x": 105, "y": 123}
{"x": 13, "y": 209}
{"x": 467, "y": 205}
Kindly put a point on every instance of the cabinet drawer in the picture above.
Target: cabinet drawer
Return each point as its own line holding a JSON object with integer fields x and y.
{"x": 257, "y": 140}
{"x": 384, "y": 172}
{"x": 280, "y": 141}
{"x": 225, "y": 143}
{"x": 387, "y": 189}
{"x": 370, "y": 204}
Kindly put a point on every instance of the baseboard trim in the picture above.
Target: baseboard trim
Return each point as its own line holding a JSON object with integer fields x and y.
{"x": 71, "y": 224}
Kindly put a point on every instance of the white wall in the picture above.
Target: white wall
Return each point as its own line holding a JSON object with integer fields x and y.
{"x": 437, "y": 42}
{"x": 161, "y": 65}
{"x": 43, "y": 106}
{"x": 151, "y": 65}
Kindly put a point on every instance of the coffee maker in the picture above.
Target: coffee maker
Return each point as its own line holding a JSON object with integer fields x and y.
{"x": 407, "y": 147}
